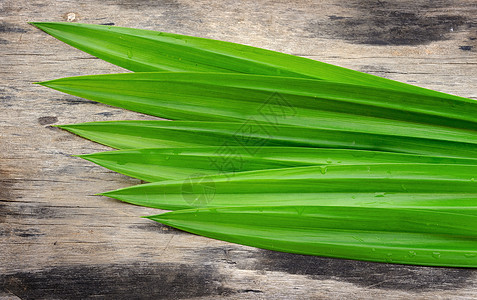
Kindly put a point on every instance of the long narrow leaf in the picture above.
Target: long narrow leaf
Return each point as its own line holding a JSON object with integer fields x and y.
{"x": 180, "y": 163}
{"x": 159, "y": 134}
{"x": 146, "y": 51}
{"x": 406, "y": 236}
{"x": 372, "y": 184}
{"x": 277, "y": 100}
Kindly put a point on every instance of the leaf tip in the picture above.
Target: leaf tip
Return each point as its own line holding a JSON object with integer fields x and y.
{"x": 42, "y": 83}
{"x": 43, "y": 25}
{"x": 39, "y": 25}
{"x": 110, "y": 194}
{"x": 64, "y": 127}
{"x": 156, "y": 218}
{"x": 88, "y": 157}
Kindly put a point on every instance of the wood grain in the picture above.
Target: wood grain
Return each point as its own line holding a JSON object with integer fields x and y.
{"x": 58, "y": 241}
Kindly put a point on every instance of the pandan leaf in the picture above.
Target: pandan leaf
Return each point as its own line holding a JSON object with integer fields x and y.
{"x": 300, "y": 186}
{"x": 180, "y": 163}
{"x": 160, "y": 134}
{"x": 145, "y": 51}
{"x": 278, "y": 100}
{"x": 405, "y": 236}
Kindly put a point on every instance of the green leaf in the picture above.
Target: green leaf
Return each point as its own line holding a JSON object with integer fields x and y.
{"x": 278, "y": 101}
{"x": 405, "y": 236}
{"x": 180, "y": 163}
{"x": 146, "y": 51}
{"x": 375, "y": 185}
{"x": 160, "y": 134}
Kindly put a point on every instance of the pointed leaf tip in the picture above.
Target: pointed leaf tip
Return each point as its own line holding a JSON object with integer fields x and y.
{"x": 40, "y": 25}
{"x": 43, "y": 83}
{"x": 109, "y": 194}
{"x": 36, "y": 24}
{"x": 90, "y": 158}
{"x": 157, "y": 218}
{"x": 64, "y": 127}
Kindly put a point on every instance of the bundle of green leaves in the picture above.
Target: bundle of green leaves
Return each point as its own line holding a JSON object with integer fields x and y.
{"x": 282, "y": 152}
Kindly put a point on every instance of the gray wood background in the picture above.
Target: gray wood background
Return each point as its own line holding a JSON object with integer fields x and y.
{"x": 58, "y": 241}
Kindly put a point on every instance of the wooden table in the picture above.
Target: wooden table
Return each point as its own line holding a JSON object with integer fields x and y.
{"x": 58, "y": 241}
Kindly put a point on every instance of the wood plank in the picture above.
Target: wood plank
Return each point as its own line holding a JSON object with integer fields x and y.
{"x": 59, "y": 241}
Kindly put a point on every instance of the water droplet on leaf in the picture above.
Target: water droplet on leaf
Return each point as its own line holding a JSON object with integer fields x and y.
{"x": 323, "y": 169}
{"x": 389, "y": 257}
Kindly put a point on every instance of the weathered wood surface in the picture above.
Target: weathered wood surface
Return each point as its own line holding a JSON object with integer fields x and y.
{"x": 58, "y": 241}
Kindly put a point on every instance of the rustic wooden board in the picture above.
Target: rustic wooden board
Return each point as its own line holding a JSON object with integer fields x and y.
{"x": 58, "y": 241}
